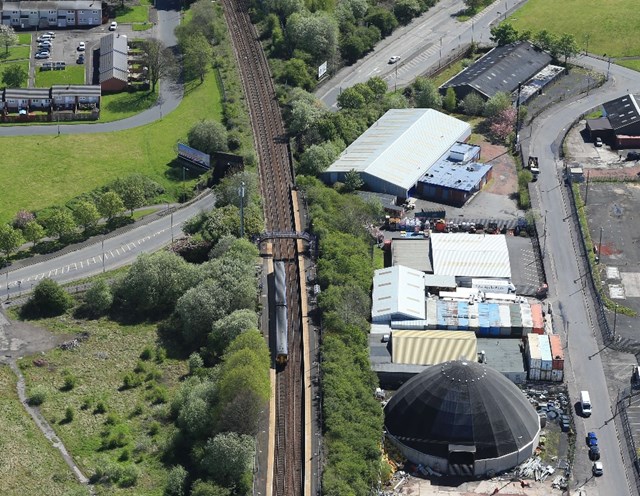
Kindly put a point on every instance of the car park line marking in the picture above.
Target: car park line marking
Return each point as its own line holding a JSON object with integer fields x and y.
{"x": 112, "y": 255}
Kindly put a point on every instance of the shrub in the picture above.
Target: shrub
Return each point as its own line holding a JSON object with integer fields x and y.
{"x": 68, "y": 415}
{"x": 154, "y": 428}
{"x": 69, "y": 382}
{"x": 37, "y": 396}
{"x": 48, "y": 300}
{"x": 147, "y": 353}
{"x": 195, "y": 363}
{"x": 158, "y": 395}
{"x": 131, "y": 381}
{"x": 118, "y": 437}
{"x": 101, "y": 407}
{"x": 176, "y": 481}
{"x": 98, "y": 298}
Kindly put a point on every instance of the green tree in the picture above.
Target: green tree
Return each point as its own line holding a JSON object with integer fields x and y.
{"x": 98, "y": 298}
{"x": 317, "y": 158}
{"x": 383, "y": 19}
{"x": 198, "y": 55}
{"x": 47, "y": 300}
{"x": 159, "y": 60}
{"x": 472, "y": 104}
{"x": 496, "y": 104}
{"x": 110, "y": 205}
{"x": 284, "y": 8}
{"x": 295, "y": 73}
{"x": 176, "y": 481}
{"x": 394, "y": 101}
{"x": 352, "y": 181}
{"x": 405, "y": 10}
{"x": 474, "y": 5}
{"x": 315, "y": 33}
{"x": 449, "y": 101}
{"x": 503, "y": 34}
{"x": 132, "y": 195}
{"x": 10, "y": 239}
{"x": 60, "y": 223}
{"x": 86, "y": 214}
{"x": 567, "y": 47}
{"x": 8, "y": 37}
{"x": 229, "y": 327}
{"x": 426, "y": 93}
{"x": 208, "y": 136}
{"x": 304, "y": 115}
{"x": 228, "y": 457}
{"x": 14, "y": 76}
{"x": 351, "y": 98}
{"x": 545, "y": 40}
{"x": 203, "y": 488}
{"x": 378, "y": 86}
{"x": 33, "y": 232}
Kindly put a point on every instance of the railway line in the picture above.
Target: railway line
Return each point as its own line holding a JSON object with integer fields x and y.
{"x": 275, "y": 183}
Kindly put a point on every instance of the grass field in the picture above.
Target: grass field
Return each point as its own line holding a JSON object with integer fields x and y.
{"x": 29, "y": 462}
{"x": 138, "y": 13}
{"x": 73, "y": 74}
{"x": 15, "y": 53}
{"x": 98, "y": 367}
{"x": 68, "y": 165}
{"x": 24, "y": 38}
{"x": 610, "y": 28}
{"x": 121, "y": 105}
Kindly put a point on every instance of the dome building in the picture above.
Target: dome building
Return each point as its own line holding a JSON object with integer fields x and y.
{"x": 463, "y": 418}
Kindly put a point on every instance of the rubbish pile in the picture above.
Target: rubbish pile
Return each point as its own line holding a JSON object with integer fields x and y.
{"x": 535, "y": 468}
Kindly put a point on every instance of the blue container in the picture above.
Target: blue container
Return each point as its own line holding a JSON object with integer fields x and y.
{"x": 463, "y": 316}
{"x": 442, "y": 315}
{"x": 483, "y": 319}
{"x": 494, "y": 320}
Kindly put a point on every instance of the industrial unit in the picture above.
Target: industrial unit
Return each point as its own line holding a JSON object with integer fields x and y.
{"x": 620, "y": 124}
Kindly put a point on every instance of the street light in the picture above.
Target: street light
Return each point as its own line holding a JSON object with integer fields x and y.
{"x": 241, "y": 194}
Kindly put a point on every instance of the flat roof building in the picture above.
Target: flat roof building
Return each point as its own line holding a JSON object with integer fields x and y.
{"x": 412, "y": 253}
{"x": 432, "y": 347}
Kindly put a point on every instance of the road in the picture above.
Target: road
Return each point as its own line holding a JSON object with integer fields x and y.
{"x": 118, "y": 251}
{"x": 565, "y": 268}
{"x": 421, "y": 45}
{"x": 170, "y": 92}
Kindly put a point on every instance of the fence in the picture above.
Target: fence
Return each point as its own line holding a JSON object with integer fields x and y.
{"x": 621, "y": 409}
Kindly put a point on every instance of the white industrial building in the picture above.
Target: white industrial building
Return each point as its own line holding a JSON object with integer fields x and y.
{"x": 398, "y": 294}
{"x": 465, "y": 255}
{"x": 398, "y": 149}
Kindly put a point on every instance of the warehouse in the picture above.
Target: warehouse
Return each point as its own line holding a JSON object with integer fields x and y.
{"x": 465, "y": 255}
{"x": 432, "y": 347}
{"x": 398, "y": 293}
{"x": 620, "y": 124}
{"x": 463, "y": 418}
{"x": 412, "y": 253}
{"x": 398, "y": 149}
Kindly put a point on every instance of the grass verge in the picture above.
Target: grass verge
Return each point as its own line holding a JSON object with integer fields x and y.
{"x": 141, "y": 26}
{"x": 633, "y": 64}
{"x": 73, "y": 74}
{"x": 118, "y": 106}
{"x": 69, "y": 165}
{"x": 15, "y": 53}
{"x": 29, "y": 462}
{"x": 138, "y": 13}
{"x": 133, "y": 426}
{"x": 24, "y": 38}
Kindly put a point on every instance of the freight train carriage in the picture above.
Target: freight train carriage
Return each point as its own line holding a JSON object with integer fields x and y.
{"x": 281, "y": 328}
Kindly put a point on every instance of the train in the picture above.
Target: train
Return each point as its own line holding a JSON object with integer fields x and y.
{"x": 281, "y": 313}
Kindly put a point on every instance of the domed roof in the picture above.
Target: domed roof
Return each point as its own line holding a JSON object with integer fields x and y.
{"x": 461, "y": 403}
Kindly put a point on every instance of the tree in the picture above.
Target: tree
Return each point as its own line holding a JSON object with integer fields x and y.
{"x": 352, "y": 181}
{"x": 86, "y": 214}
{"x": 8, "y": 37}
{"x": 567, "y": 47}
{"x": 159, "y": 60}
{"x": 228, "y": 191}
{"x": 48, "y": 300}
{"x": 203, "y": 488}
{"x": 228, "y": 457}
{"x": 472, "y": 104}
{"x": 496, "y": 104}
{"x": 10, "y": 239}
{"x": 449, "y": 100}
{"x": 208, "y": 136}
{"x": 503, "y": 34}
{"x": 110, "y": 205}
{"x": 316, "y": 158}
{"x": 33, "y": 232}
{"x": 176, "y": 482}
{"x": 132, "y": 195}
{"x": 394, "y": 101}
{"x": 22, "y": 218}
{"x": 383, "y": 19}
{"x": 284, "y": 8}
{"x": 14, "y": 76}
{"x": 98, "y": 298}
{"x": 315, "y": 33}
{"x": 295, "y": 73}
{"x": 229, "y": 327}
{"x": 503, "y": 124}
{"x": 426, "y": 93}
{"x": 198, "y": 55}
{"x": 304, "y": 115}
{"x": 545, "y": 40}
{"x": 60, "y": 223}
{"x": 405, "y": 10}
{"x": 378, "y": 86}
{"x": 351, "y": 98}
{"x": 473, "y": 5}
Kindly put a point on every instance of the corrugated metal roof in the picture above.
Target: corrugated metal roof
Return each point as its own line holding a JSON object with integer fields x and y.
{"x": 402, "y": 145}
{"x": 398, "y": 290}
{"x": 58, "y": 90}
{"x": 456, "y": 175}
{"x": 470, "y": 255}
{"x": 439, "y": 281}
{"x": 432, "y": 347}
{"x": 412, "y": 253}
{"x": 622, "y": 111}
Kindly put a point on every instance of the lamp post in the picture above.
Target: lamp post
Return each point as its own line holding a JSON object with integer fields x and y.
{"x": 241, "y": 194}
{"x": 440, "y": 58}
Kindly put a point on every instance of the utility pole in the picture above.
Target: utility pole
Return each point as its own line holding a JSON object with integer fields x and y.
{"x": 518, "y": 113}
{"x": 600, "y": 246}
{"x": 586, "y": 194}
{"x": 241, "y": 193}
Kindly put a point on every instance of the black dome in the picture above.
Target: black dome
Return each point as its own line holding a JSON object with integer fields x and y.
{"x": 461, "y": 403}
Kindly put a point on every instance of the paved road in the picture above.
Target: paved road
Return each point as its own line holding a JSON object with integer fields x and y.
{"x": 118, "y": 251}
{"x": 566, "y": 266}
{"x": 170, "y": 92}
{"x": 421, "y": 45}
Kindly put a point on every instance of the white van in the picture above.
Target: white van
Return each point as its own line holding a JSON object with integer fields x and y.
{"x": 585, "y": 403}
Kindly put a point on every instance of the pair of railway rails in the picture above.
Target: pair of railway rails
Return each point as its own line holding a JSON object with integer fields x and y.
{"x": 275, "y": 181}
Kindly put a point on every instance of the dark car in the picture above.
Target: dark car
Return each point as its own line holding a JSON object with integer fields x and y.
{"x": 592, "y": 439}
{"x": 594, "y": 453}
{"x": 633, "y": 156}
{"x": 80, "y": 59}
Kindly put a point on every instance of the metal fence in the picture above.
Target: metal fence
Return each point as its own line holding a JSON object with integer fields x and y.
{"x": 621, "y": 410}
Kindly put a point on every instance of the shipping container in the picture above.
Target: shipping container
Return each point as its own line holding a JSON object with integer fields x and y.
{"x": 534, "y": 358}
{"x": 473, "y": 317}
{"x": 538, "y": 320}
{"x": 545, "y": 375}
{"x": 545, "y": 352}
{"x": 516, "y": 320}
{"x": 494, "y": 319}
{"x": 483, "y": 319}
{"x": 432, "y": 314}
{"x": 534, "y": 374}
{"x": 527, "y": 321}
{"x": 557, "y": 353}
{"x": 557, "y": 375}
{"x": 505, "y": 320}
{"x": 442, "y": 314}
{"x": 463, "y": 316}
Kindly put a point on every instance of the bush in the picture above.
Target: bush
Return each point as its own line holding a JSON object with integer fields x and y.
{"x": 48, "y": 300}
{"x": 69, "y": 382}
{"x": 131, "y": 381}
{"x": 101, "y": 407}
{"x": 158, "y": 395}
{"x": 195, "y": 363}
{"x": 176, "y": 481}
{"x": 98, "y": 298}
{"x": 147, "y": 353}
{"x": 37, "y": 396}
{"x": 68, "y": 415}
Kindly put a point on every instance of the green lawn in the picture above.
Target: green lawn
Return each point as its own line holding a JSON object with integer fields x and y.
{"x": 99, "y": 366}
{"x": 121, "y": 105}
{"x": 138, "y": 13}
{"x": 15, "y": 53}
{"x": 73, "y": 74}
{"x": 630, "y": 64}
{"x": 611, "y": 28}
{"x": 24, "y": 38}
{"x": 29, "y": 462}
{"x": 68, "y": 165}
{"x": 141, "y": 26}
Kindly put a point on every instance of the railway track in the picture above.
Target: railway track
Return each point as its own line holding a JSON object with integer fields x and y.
{"x": 275, "y": 183}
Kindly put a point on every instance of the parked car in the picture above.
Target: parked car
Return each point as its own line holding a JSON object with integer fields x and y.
{"x": 592, "y": 439}
{"x": 81, "y": 46}
{"x": 597, "y": 469}
{"x": 598, "y": 142}
{"x": 633, "y": 156}
{"x": 46, "y": 44}
{"x": 113, "y": 26}
{"x": 394, "y": 59}
{"x": 80, "y": 59}
{"x": 594, "y": 453}
{"x": 43, "y": 55}
{"x": 44, "y": 37}
{"x": 51, "y": 33}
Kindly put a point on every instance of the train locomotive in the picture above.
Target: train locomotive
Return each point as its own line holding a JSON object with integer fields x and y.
{"x": 281, "y": 313}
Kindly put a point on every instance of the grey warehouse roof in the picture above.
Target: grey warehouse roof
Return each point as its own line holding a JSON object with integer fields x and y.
{"x": 462, "y": 403}
{"x": 502, "y": 69}
{"x": 454, "y": 175}
{"x": 412, "y": 253}
{"x": 622, "y": 111}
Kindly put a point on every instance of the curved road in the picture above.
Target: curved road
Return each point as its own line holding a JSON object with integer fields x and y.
{"x": 169, "y": 98}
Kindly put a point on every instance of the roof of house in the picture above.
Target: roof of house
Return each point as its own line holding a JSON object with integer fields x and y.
{"x": 113, "y": 58}
{"x": 398, "y": 290}
{"x": 432, "y": 347}
{"x": 58, "y": 90}
{"x": 400, "y": 146}
{"x": 502, "y": 69}
{"x": 412, "y": 253}
{"x": 622, "y": 111}
{"x": 27, "y": 93}
{"x": 58, "y": 5}
{"x": 470, "y": 255}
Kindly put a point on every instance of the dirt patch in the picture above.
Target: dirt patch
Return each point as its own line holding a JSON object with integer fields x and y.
{"x": 504, "y": 178}
{"x": 624, "y": 173}
{"x": 18, "y": 338}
